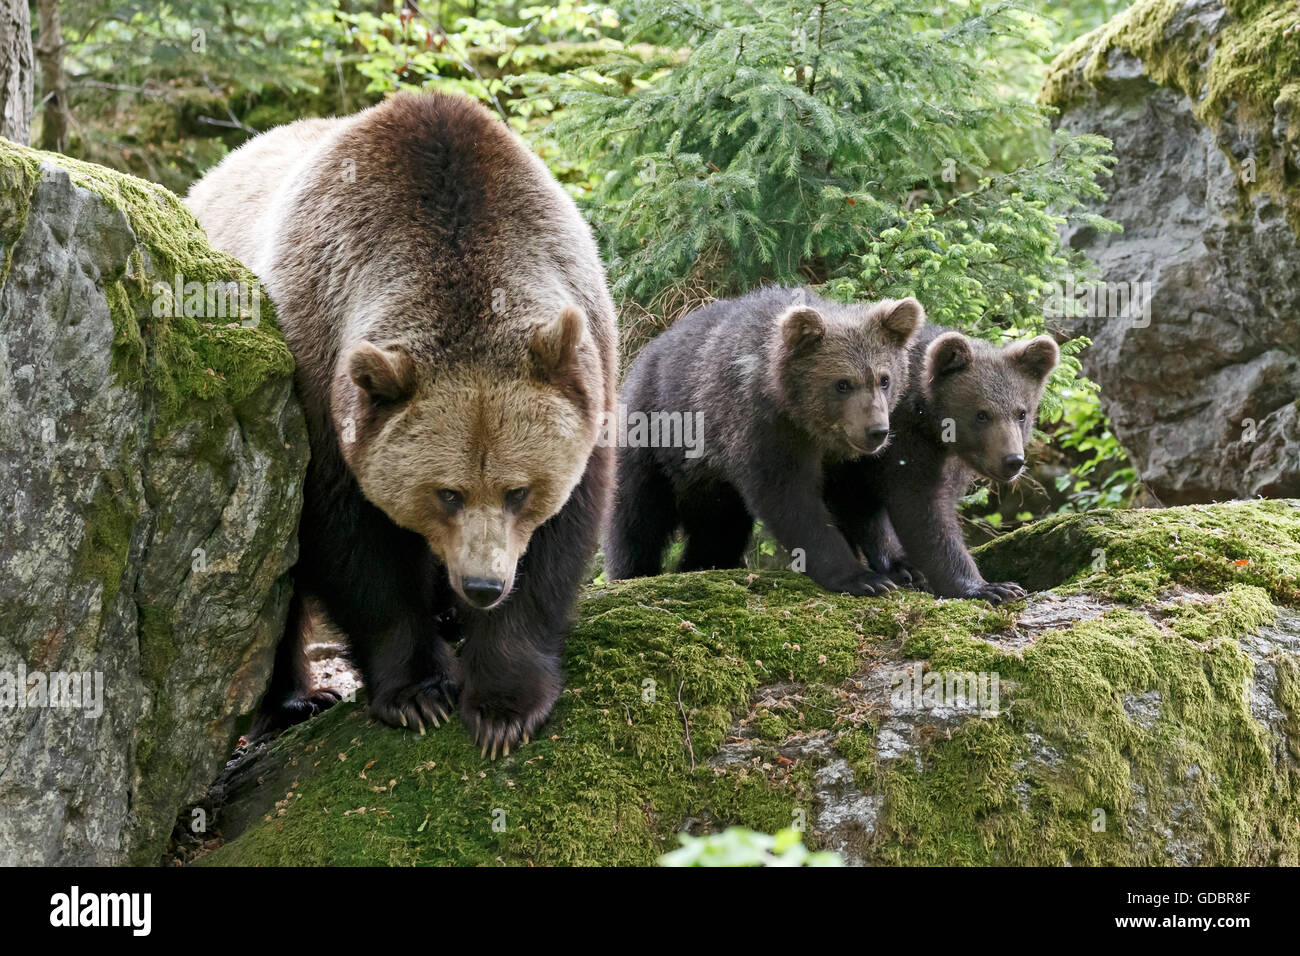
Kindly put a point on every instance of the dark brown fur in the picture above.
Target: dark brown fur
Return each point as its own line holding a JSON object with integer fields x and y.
{"x": 968, "y": 410}
{"x": 764, "y": 371}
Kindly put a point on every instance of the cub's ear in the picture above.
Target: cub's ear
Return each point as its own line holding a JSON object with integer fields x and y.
{"x": 556, "y": 343}
{"x": 1037, "y": 357}
{"x": 801, "y": 327}
{"x": 385, "y": 374}
{"x": 901, "y": 318}
{"x": 950, "y": 352}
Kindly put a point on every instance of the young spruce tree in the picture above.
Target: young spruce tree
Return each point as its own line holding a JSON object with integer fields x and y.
{"x": 839, "y": 143}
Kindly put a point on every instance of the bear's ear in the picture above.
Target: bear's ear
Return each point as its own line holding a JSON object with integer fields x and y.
{"x": 950, "y": 352}
{"x": 1036, "y": 358}
{"x": 386, "y": 375}
{"x": 801, "y": 327}
{"x": 555, "y": 344}
{"x": 901, "y": 318}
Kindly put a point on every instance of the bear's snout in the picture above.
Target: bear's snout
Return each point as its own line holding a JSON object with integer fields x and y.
{"x": 877, "y": 435}
{"x": 482, "y": 592}
{"x": 1012, "y": 465}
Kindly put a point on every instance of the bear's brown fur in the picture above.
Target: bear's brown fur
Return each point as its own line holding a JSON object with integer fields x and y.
{"x": 785, "y": 381}
{"x": 456, "y": 353}
{"x": 968, "y": 410}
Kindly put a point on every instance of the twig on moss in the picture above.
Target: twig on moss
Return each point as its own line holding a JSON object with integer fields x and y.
{"x": 686, "y": 721}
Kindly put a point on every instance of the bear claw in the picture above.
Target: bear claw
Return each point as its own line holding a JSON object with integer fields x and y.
{"x": 908, "y": 576}
{"x": 295, "y": 710}
{"x": 418, "y": 706}
{"x": 498, "y": 735}
{"x": 999, "y": 593}
{"x": 870, "y": 584}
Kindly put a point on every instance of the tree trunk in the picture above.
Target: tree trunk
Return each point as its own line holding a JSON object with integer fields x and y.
{"x": 54, "y": 82}
{"x": 15, "y": 71}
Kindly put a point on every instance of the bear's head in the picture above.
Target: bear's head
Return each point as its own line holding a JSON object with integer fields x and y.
{"x": 472, "y": 458}
{"x": 985, "y": 399}
{"x": 840, "y": 370}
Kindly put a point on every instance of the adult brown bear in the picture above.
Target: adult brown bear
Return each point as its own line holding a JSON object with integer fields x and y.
{"x": 456, "y": 351}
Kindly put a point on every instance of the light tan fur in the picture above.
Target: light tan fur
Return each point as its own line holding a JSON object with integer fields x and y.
{"x": 429, "y": 377}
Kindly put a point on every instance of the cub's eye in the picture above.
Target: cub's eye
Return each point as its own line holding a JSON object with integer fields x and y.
{"x": 1022, "y": 416}
{"x": 451, "y": 499}
{"x": 884, "y": 382}
{"x": 515, "y": 498}
{"x": 982, "y": 417}
{"x": 844, "y": 386}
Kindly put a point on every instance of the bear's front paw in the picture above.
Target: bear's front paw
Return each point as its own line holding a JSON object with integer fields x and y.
{"x": 998, "y": 593}
{"x": 907, "y": 576}
{"x": 431, "y": 701}
{"x": 864, "y": 584}
{"x": 499, "y": 721}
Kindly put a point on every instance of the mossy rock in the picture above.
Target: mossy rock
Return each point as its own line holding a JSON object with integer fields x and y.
{"x": 1146, "y": 713}
{"x": 1201, "y": 101}
{"x": 1233, "y": 59}
{"x": 154, "y": 455}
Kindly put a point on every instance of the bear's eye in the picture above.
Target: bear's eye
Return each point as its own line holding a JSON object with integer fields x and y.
{"x": 515, "y": 498}
{"x": 844, "y": 386}
{"x": 1022, "y": 416}
{"x": 451, "y": 499}
{"x": 884, "y": 381}
{"x": 982, "y": 417}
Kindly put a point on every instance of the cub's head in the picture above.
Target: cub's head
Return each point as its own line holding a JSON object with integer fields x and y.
{"x": 472, "y": 458}
{"x": 841, "y": 369}
{"x": 985, "y": 399}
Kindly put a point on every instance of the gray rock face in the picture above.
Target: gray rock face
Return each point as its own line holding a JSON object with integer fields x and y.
{"x": 1204, "y": 395}
{"x": 144, "y": 549}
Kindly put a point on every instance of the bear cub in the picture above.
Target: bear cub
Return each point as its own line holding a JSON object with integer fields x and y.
{"x": 968, "y": 410}
{"x": 782, "y": 381}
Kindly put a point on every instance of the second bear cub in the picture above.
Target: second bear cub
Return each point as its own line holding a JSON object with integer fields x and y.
{"x": 968, "y": 410}
{"x": 782, "y": 381}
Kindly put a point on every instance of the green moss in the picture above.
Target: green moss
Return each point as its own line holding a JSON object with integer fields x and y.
{"x": 187, "y": 362}
{"x": 19, "y": 172}
{"x": 1252, "y": 70}
{"x": 1241, "y": 609}
{"x": 1204, "y": 547}
{"x": 104, "y": 548}
{"x": 1141, "y": 29}
{"x": 1070, "y": 769}
{"x": 647, "y": 659}
{"x": 978, "y": 799}
{"x": 858, "y": 747}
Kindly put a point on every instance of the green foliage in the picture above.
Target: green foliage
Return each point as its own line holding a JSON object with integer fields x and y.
{"x": 162, "y": 90}
{"x": 827, "y": 142}
{"x": 737, "y": 846}
{"x": 873, "y": 150}
{"x": 1100, "y": 475}
{"x": 472, "y": 55}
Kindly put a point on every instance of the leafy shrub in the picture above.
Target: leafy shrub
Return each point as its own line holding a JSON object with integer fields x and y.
{"x": 737, "y": 846}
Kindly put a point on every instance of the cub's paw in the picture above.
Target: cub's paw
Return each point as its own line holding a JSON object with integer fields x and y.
{"x": 276, "y": 718}
{"x": 498, "y": 722}
{"x": 998, "y": 593}
{"x": 417, "y": 706}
